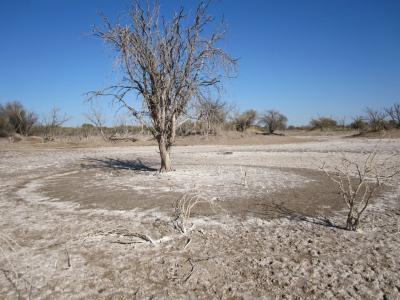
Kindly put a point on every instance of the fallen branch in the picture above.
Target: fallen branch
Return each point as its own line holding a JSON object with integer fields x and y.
{"x": 190, "y": 272}
{"x": 127, "y": 233}
{"x": 187, "y": 243}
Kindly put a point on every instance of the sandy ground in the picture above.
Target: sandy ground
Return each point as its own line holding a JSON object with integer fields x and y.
{"x": 74, "y": 224}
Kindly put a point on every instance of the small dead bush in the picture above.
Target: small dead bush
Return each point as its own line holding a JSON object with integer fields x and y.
{"x": 183, "y": 208}
{"x": 358, "y": 182}
{"x": 376, "y": 119}
{"x": 359, "y": 124}
{"x": 393, "y": 113}
{"x": 20, "y": 282}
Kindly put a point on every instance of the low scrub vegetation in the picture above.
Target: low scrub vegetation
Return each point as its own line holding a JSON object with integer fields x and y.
{"x": 323, "y": 123}
{"x": 373, "y": 120}
{"x": 244, "y": 120}
{"x": 206, "y": 117}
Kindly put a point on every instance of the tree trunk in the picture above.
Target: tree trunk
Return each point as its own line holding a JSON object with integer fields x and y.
{"x": 352, "y": 222}
{"x": 166, "y": 165}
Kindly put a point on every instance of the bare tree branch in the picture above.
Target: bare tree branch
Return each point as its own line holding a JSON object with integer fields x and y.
{"x": 166, "y": 64}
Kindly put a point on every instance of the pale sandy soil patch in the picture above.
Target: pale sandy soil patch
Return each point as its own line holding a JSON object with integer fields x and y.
{"x": 72, "y": 225}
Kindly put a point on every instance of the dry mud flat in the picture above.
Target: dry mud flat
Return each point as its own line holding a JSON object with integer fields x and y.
{"x": 96, "y": 224}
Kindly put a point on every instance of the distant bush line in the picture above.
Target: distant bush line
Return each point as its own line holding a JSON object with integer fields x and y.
{"x": 207, "y": 118}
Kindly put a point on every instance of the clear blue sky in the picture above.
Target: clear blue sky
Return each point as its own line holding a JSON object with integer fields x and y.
{"x": 304, "y": 58}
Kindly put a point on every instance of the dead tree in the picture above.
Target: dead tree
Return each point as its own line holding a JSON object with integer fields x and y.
{"x": 358, "y": 182}
{"x": 95, "y": 117}
{"x": 274, "y": 120}
{"x": 165, "y": 64}
{"x": 52, "y": 122}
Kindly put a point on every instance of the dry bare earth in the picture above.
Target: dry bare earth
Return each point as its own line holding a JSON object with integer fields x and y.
{"x": 75, "y": 223}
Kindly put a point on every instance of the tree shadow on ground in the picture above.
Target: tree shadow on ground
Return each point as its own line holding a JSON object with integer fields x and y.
{"x": 271, "y": 134}
{"x": 117, "y": 164}
{"x": 275, "y": 210}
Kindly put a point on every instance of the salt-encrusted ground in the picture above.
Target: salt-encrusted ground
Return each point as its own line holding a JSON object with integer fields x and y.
{"x": 72, "y": 220}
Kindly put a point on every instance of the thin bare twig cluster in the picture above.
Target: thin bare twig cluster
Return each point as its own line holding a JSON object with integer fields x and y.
{"x": 183, "y": 208}
{"x": 96, "y": 117}
{"x": 21, "y": 284}
{"x": 53, "y": 121}
{"x": 358, "y": 182}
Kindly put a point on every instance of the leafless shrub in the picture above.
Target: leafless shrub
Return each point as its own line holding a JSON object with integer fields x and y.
{"x": 394, "y": 114}
{"x": 20, "y": 283}
{"x": 358, "y": 182}
{"x": 359, "y": 123}
{"x": 183, "y": 208}
{"x": 211, "y": 113}
{"x": 96, "y": 118}
{"x": 376, "y": 119}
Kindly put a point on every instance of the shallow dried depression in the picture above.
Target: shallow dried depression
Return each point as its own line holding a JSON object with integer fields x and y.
{"x": 270, "y": 238}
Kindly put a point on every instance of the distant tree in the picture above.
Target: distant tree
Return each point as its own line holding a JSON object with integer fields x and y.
{"x": 52, "y": 121}
{"x": 394, "y": 114}
{"x": 87, "y": 125}
{"x": 323, "y": 123}
{"x": 245, "y": 119}
{"x": 123, "y": 124}
{"x": 96, "y": 118}
{"x": 187, "y": 128}
{"x": 341, "y": 122}
{"x": 273, "y": 120}
{"x": 166, "y": 63}
{"x": 212, "y": 113}
{"x": 359, "y": 123}
{"x": 87, "y": 129}
{"x": 376, "y": 119}
{"x": 16, "y": 118}
{"x": 5, "y": 127}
